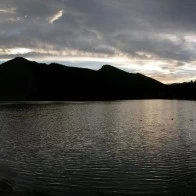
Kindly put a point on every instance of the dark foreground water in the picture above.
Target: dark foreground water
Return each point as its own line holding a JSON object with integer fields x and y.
{"x": 100, "y": 148}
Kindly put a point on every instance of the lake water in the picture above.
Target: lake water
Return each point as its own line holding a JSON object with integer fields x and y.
{"x": 99, "y": 148}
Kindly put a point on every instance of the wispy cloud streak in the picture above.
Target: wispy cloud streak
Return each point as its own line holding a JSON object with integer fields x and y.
{"x": 8, "y": 11}
{"x": 56, "y": 17}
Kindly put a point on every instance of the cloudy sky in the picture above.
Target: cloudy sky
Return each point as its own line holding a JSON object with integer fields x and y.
{"x": 154, "y": 37}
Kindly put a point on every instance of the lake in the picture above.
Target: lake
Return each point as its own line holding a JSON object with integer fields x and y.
{"x": 98, "y": 148}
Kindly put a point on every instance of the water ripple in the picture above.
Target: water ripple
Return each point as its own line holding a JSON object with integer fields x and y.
{"x": 103, "y": 148}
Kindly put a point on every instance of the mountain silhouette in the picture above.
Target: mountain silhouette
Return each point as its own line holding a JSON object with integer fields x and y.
{"x": 21, "y": 79}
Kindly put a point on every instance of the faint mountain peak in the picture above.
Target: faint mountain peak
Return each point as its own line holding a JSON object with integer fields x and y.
{"x": 107, "y": 67}
{"x": 110, "y": 68}
{"x": 57, "y": 65}
{"x": 18, "y": 60}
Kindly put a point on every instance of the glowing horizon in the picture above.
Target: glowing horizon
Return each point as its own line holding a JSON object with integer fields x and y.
{"x": 151, "y": 68}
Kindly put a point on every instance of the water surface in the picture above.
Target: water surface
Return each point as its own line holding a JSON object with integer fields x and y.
{"x": 99, "y": 148}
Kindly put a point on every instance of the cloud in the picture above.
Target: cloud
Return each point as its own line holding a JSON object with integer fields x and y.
{"x": 56, "y": 17}
{"x": 154, "y": 37}
{"x": 15, "y": 51}
{"x": 8, "y": 11}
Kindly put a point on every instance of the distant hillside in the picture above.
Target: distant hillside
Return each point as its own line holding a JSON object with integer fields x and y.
{"x": 186, "y": 90}
{"x": 21, "y": 79}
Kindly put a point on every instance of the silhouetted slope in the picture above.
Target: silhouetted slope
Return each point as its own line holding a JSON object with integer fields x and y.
{"x": 21, "y": 79}
{"x": 17, "y": 78}
{"x": 119, "y": 84}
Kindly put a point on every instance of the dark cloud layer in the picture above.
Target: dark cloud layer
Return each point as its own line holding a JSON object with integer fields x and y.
{"x": 160, "y": 30}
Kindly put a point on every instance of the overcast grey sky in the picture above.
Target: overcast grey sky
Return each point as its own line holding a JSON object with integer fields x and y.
{"x": 153, "y": 37}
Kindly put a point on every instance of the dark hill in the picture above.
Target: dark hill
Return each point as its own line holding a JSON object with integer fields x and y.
{"x": 118, "y": 84}
{"x": 21, "y": 79}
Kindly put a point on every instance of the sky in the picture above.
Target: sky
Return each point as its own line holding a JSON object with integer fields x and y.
{"x": 154, "y": 37}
